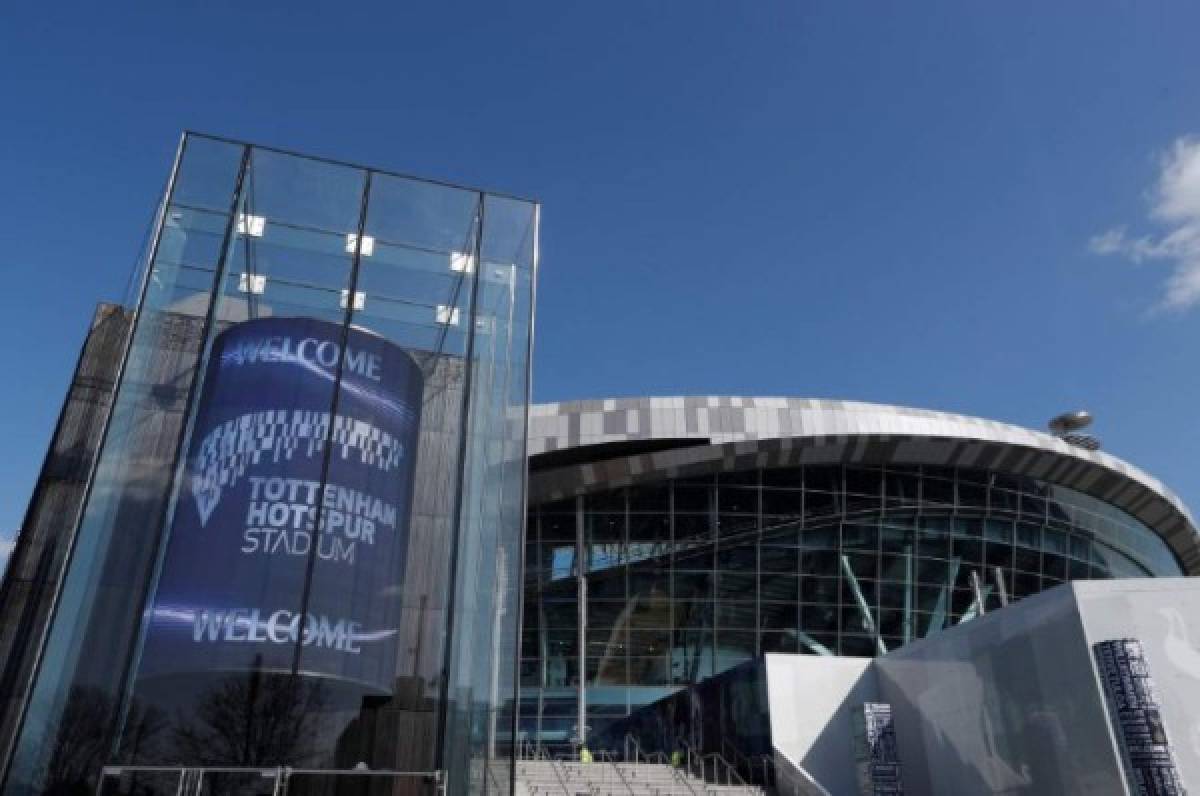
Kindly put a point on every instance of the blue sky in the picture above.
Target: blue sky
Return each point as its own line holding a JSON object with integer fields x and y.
{"x": 984, "y": 208}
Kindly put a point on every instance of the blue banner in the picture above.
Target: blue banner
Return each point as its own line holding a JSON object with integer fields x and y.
{"x": 256, "y": 526}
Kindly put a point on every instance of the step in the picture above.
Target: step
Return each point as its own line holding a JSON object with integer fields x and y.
{"x": 618, "y": 778}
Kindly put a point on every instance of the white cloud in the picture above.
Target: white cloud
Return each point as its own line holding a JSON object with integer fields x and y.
{"x": 1176, "y": 209}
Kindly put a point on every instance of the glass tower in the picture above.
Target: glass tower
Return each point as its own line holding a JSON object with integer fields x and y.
{"x": 297, "y": 562}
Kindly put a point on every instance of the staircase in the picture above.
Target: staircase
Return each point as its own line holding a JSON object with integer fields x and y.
{"x": 600, "y": 778}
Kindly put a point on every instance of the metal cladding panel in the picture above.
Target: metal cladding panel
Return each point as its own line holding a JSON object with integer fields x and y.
{"x": 825, "y": 431}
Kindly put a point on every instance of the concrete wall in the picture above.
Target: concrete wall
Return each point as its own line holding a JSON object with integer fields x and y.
{"x": 1164, "y": 614}
{"x": 812, "y": 700}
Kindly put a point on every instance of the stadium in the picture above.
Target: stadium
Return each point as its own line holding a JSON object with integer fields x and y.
{"x": 299, "y": 530}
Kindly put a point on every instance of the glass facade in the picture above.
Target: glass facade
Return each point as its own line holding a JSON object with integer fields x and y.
{"x": 637, "y": 592}
{"x": 300, "y": 545}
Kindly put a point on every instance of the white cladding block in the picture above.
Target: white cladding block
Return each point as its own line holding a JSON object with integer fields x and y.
{"x": 812, "y": 700}
{"x": 1010, "y": 702}
{"x": 1164, "y": 615}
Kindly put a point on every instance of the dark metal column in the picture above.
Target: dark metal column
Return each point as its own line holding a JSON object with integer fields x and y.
{"x": 581, "y": 582}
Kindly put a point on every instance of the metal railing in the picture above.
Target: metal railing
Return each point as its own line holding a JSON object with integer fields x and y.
{"x": 723, "y": 772}
{"x": 760, "y": 769}
{"x": 711, "y": 767}
{"x": 639, "y": 755}
{"x": 531, "y": 751}
{"x": 191, "y": 780}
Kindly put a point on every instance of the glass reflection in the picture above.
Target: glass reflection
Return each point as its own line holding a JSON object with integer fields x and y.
{"x": 688, "y": 578}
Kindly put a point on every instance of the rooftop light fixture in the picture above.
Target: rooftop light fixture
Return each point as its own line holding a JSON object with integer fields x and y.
{"x": 360, "y": 299}
{"x": 447, "y": 316}
{"x": 255, "y": 284}
{"x": 254, "y": 226}
{"x": 368, "y": 244}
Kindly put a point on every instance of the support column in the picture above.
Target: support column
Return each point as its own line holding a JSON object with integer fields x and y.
{"x": 581, "y": 564}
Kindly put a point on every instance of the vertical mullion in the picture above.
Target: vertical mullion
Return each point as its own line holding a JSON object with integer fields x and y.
{"x": 800, "y": 554}
{"x": 880, "y": 523}
{"x": 523, "y": 498}
{"x": 673, "y": 643}
{"x": 758, "y": 523}
{"x": 543, "y": 566}
{"x": 582, "y": 598}
{"x": 843, "y": 498}
{"x": 714, "y": 529}
{"x": 627, "y": 653}
{"x": 310, "y": 564}
{"x": 460, "y": 479}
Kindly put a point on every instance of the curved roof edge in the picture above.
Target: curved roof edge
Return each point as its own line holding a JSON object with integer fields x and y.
{"x": 817, "y": 430}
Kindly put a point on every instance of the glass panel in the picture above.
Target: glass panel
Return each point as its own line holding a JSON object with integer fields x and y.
{"x": 84, "y": 661}
{"x": 740, "y": 585}
{"x": 651, "y": 498}
{"x": 936, "y": 491}
{"x": 608, "y": 502}
{"x": 1055, "y": 541}
{"x": 736, "y": 524}
{"x": 480, "y": 680}
{"x": 604, "y": 541}
{"x": 694, "y": 496}
{"x": 825, "y": 538}
{"x": 779, "y": 588}
{"x": 783, "y": 477}
{"x": 408, "y": 400}
{"x": 231, "y": 608}
{"x": 737, "y": 500}
{"x": 972, "y": 495}
{"x": 823, "y": 562}
{"x": 901, "y": 488}
{"x": 860, "y": 536}
{"x": 819, "y": 590}
{"x": 692, "y": 526}
{"x": 1027, "y": 560}
{"x": 783, "y": 502}
{"x": 779, "y": 559}
{"x": 997, "y": 530}
{"x": 818, "y": 503}
{"x": 999, "y": 555}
